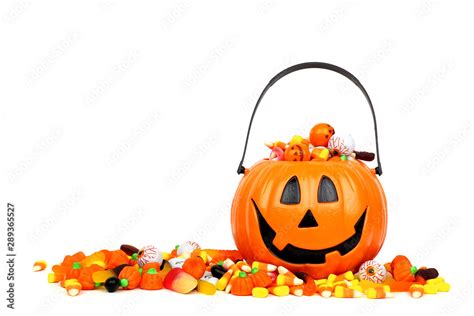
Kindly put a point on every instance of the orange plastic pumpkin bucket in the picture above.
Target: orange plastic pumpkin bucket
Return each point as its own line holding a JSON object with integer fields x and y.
{"x": 318, "y": 217}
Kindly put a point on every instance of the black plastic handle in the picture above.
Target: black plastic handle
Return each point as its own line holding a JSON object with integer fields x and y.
{"x": 319, "y": 65}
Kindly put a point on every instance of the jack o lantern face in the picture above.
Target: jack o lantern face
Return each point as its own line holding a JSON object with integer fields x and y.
{"x": 291, "y": 195}
{"x": 316, "y": 217}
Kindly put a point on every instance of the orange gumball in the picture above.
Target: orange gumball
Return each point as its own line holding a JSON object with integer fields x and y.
{"x": 320, "y": 134}
{"x": 297, "y": 152}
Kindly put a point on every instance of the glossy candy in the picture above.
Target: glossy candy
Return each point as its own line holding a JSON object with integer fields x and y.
{"x": 341, "y": 145}
{"x": 112, "y": 284}
{"x": 218, "y": 271}
{"x": 149, "y": 254}
{"x": 372, "y": 271}
{"x": 320, "y": 134}
{"x": 297, "y": 152}
{"x": 179, "y": 281}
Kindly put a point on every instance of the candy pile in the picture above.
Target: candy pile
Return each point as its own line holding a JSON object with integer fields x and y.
{"x": 188, "y": 268}
{"x": 323, "y": 145}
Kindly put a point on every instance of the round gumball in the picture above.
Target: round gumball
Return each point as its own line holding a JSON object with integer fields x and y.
{"x": 372, "y": 271}
{"x": 149, "y": 254}
{"x": 341, "y": 145}
{"x": 297, "y": 152}
{"x": 320, "y": 134}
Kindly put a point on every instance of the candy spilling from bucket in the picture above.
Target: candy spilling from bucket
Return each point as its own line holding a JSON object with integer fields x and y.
{"x": 189, "y": 268}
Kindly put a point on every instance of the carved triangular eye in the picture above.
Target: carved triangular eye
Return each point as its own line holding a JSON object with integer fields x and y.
{"x": 291, "y": 192}
{"x": 327, "y": 191}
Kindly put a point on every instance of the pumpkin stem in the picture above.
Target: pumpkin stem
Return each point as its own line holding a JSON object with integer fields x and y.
{"x": 124, "y": 282}
{"x": 242, "y": 274}
{"x": 413, "y": 270}
{"x": 151, "y": 271}
{"x": 76, "y": 265}
{"x": 254, "y": 270}
{"x": 134, "y": 256}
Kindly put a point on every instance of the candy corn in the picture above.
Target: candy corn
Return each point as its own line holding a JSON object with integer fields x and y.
{"x": 344, "y": 292}
{"x": 416, "y": 290}
{"x": 297, "y": 290}
{"x": 281, "y": 290}
{"x": 222, "y": 283}
{"x": 325, "y": 290}
{"x": 264, "y": 266}
{"x": 179, "y": 281}
{"x": 283, "y": 279}
{"x": 73, "y": 287}
{"x": 39, "y": 265}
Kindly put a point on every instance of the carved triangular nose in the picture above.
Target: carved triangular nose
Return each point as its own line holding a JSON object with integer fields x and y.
{"x": 308, "y": 220}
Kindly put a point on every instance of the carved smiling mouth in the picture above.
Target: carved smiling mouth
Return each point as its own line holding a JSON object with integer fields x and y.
{"x": 293, "y": 254}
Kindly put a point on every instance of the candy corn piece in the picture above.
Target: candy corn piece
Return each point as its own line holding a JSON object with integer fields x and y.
{"x": 325, "y": 290}
{"x": 278, "y": 143}
{"x": 282, "y": 290}
{"x": 242, "y": 265}
{"x": 283, "y": 279}
{"x": 297, "y": 290}
{"x": 179, "y": 281}
{"x": 73, "y": 287}
{"x": 222, "y": 283}
{"x": 206, "y": 287}
{"x": 259, "y": 292}
{"x": 416, "y": 290}
{"x": 378, "y": 292}
{"x": 39, "y": 265}
{"x": 285, "y": 271}
{"x": 228, "y": 263}
{"x": 344, "y": 292}
{"x": 264, "y": 266}
{"x": 54, "y": 278}
{"x": 207, "y": 284}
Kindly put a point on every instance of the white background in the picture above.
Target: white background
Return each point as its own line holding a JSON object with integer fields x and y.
{"x": 124, "y": 123}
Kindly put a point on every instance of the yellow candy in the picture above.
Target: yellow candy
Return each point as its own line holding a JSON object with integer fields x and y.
{"x": 206, "y": 287}
{"x": 282, "y": 290}
{"x": 331, "y": 278}
{"x": 320, "y": 281}
{"x": 356, "y": 287}
{"x": 344, "y": 292}
{"x": 435, "y": 280}
{"x": 349, "y": 276}
{"x": 166, "y": 255}
{"x": 297, "y": 139}
{"x": 430, "y": 288}
{"x": 443, "y": 287}
{"x": 259, "y": 292}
